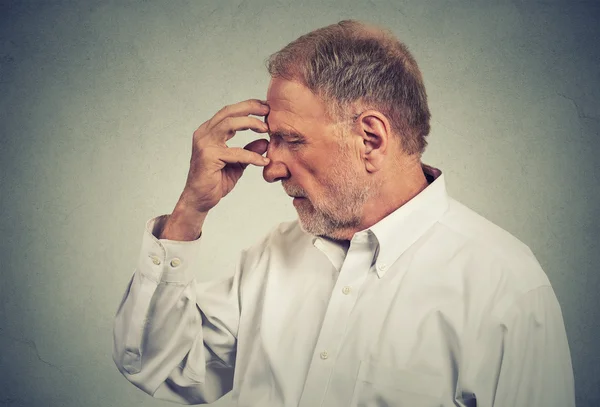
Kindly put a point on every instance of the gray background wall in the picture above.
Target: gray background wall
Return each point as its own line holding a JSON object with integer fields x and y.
{"x": 99, "y": 101}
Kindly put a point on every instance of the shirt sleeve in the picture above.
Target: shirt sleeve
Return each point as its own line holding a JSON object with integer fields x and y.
{"x": 175, "y": 338}
{"x": 527, "y": 362}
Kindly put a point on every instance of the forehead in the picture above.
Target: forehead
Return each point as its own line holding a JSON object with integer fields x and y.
{"x": 294, "y": 107}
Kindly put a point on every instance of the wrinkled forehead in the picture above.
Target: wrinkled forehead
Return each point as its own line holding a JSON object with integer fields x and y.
{"x": 293, "y": 105}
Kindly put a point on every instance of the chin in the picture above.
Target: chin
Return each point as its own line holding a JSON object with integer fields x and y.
{"x": 321, "y": 227}
{"x": 321, "y": 223}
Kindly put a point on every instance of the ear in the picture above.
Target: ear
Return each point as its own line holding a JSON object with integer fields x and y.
{"x": 375, "y": 130}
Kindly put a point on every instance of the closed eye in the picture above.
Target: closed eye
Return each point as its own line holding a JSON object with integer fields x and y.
{"x": 288, "y": 138}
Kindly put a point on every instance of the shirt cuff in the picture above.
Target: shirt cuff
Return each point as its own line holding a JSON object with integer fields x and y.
{"x": 163, "y": 260}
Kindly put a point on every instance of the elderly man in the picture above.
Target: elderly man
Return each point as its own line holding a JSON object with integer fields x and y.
{"x": 385, "y": 292}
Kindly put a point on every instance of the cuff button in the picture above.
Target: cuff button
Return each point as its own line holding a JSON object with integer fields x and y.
{"x": 155, "y": 260}
{"x": 175, "y": 262}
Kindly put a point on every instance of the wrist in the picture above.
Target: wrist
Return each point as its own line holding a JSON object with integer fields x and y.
{"x": 184, "y": 224}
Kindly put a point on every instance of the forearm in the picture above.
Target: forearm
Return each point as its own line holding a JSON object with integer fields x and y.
{"x": 160, "y": 342}
{"x": 166, "y": 357}
{"x": 148, "y": 327}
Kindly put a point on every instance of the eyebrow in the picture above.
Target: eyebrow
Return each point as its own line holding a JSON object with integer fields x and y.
{"x": 284, "y": 133}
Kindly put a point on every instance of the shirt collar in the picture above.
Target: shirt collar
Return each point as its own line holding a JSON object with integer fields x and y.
{"x": 395, "y": 233}
{"x": 399, "y": 230}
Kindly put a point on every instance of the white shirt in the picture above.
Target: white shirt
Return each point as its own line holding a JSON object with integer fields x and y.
{"x": 432, "y": 306}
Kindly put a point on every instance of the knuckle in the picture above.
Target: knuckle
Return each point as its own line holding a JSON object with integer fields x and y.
{"x": 253, "y": 157}
{"x": 242, "y": 155}
{"x": 200, "y": 130}
{"x": 225, "y": 109}
{"x": 227, "y": 122}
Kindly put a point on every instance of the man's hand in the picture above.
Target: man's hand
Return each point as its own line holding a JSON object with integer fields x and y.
{"x": 216, "y": 168}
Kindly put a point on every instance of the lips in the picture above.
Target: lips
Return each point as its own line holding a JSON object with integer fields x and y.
{"x": 298, "y": 199}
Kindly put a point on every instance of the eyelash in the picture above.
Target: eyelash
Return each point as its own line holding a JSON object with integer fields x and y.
{"x": 292, "y": 143}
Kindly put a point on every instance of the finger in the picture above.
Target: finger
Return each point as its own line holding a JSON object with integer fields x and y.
{"x": 229, "y": 126}
{"x": 251, "y": 106}
{"x": 235, "y": 155}
{"x": 258, "y": 146}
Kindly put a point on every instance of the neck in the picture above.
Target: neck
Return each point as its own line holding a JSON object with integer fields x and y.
{"x": 394, "y": 190}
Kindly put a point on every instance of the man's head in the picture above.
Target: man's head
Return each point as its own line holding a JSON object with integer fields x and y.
{"x": 352, "y": 66}
{"x": 348, "y": 111}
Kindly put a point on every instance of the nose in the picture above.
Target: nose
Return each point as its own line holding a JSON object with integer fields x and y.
{"x": 276, "y": 170}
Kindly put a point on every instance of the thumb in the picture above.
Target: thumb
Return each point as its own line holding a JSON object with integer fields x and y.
{"x": 258, "y": 146}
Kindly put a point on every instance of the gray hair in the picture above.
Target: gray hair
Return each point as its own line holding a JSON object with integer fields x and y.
{"x": 350, "y": 63}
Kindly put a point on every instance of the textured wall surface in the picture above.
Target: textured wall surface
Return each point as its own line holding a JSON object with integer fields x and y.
{"x": 98, "y": 101}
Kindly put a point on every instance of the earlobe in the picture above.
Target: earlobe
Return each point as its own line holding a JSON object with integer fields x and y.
{"x": 374, "y": 128}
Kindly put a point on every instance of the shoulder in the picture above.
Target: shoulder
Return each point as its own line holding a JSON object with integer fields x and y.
{"x": 283, "y": 240}
{"x": 470, "y": 225}
{"x": 486, "y": 258}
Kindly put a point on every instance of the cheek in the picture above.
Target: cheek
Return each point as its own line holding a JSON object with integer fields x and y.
{"x": 317, "y": 163}
{"x": 301, "y": 165}
{"x": 312, "y": 169}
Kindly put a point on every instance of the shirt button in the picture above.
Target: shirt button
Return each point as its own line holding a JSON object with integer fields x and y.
{"x": 155, "y": 260}
{"x": 175, "y": 262}
{"x": 346, "y": 290}
{"x": 382, "y": 266}
{"x": 324, "y": 355}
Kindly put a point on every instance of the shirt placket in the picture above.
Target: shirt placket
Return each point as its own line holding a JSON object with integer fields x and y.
{"x": 343, "y": 298}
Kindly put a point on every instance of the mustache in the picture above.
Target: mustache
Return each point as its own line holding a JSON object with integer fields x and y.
{"x": 294, "y": 190}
